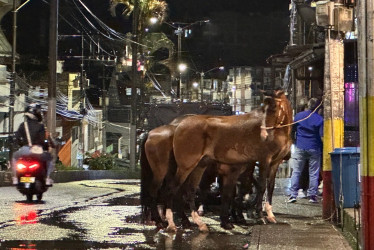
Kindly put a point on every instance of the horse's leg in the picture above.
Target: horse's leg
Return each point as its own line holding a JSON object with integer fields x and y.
{"x": 179, "y": 204}
{"x": 155, "y": 214}
{"x": 270, "y": 189}
{"x": 149, "y": 184}
{"x": 195, "y": 179}
{"x": 159, "y": 163}
{"x": 264, "y": 169}
{"x": 185, "y": 195}
{"x": 251, "y": 203}
{"x": 174, "y": 186}
{"x": 242, "y": 188}
{"x": 210, "y": 175}
{"x": 237, "y": 205}
{"x": 248, "y": 190}
{"x": 230, "y": 175}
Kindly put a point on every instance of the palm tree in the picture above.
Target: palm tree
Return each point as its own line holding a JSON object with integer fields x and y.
{"x": 150, "y": 41}
{"x": 147, "y": 9}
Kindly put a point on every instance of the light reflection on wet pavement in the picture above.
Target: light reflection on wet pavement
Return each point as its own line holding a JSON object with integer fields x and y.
{"x": 109, "y": 218}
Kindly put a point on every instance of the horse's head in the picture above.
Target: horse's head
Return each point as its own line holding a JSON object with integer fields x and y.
{"x": 277, "y": 112}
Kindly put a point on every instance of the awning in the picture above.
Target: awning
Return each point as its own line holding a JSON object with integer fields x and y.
{"x": 308, "y": 57}
{"x": 297, "y": 56}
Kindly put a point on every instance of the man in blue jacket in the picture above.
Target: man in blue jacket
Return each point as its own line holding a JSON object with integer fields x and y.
{"x": 308, "y": 147}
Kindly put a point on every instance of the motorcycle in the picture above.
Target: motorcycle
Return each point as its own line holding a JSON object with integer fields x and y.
{"x": 31, "y": 173}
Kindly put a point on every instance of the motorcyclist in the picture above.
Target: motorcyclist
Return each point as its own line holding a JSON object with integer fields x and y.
{"x": 34, "y": 118}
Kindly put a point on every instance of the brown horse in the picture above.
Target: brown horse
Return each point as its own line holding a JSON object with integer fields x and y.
{"x": 234, "y": 142}
{"x": 158, "y": 168}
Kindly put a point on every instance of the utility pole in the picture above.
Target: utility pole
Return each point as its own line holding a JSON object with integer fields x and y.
{"x": 81, "y": 147}
{"x": 13, "y": 81}
{"x": 201, "y": 86}
{"x": 53, "y": 40}
{"x": 179, "y": 32}
{"x": 333, "y": 126}
{"x": 104, "y": 111}
{"x": 13, "y": 73}
{"x": 366, "y": 97}
{"x": 134, "y": 86}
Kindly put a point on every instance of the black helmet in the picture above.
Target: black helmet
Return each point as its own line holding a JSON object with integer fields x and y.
{"x": 34, "y": 110}
{"x": 313, "y": 104}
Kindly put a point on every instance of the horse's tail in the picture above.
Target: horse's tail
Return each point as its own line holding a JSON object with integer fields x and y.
{"x": 146, "y": 176}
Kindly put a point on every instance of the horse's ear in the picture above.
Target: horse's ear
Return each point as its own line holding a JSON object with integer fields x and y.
{"x": 279, "y": 92}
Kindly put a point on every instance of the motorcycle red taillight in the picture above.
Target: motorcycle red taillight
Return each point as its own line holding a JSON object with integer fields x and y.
{"x": 23, "y": 165}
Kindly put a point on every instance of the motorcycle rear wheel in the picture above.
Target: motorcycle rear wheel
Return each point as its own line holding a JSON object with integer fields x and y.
{"x": 29, "y": 197}
{"x": 39, "y": 197}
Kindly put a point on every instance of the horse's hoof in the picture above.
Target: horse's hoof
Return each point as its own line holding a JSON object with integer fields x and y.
{"x": 227, "y": 226}
{"x": 204, "y": 229}
{"x": 171, "y": 229}
{"x": 271, "y": 219}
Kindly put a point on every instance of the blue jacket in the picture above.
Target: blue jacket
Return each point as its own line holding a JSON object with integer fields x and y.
{"x": 309, "y": 131}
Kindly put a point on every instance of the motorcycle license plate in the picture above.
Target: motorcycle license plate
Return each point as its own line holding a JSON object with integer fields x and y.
{"x": 25, "y": 179}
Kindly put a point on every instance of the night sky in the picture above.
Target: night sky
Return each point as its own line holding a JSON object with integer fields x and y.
{"x": 240, "y": 33}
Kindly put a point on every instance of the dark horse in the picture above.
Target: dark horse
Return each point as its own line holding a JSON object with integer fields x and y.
{"x": 234, "y": 143}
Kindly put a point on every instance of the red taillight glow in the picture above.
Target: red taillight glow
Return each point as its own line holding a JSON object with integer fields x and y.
{"x": 35, "y": 165}
{"x": 22, "y": 165}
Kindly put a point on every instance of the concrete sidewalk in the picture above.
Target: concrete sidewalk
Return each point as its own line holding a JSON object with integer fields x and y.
{"x": 300, "y": 225}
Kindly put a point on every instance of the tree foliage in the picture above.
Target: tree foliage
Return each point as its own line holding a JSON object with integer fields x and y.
{"x": 147, "y": 9}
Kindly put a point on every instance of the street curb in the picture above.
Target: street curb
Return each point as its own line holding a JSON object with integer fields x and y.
{"x": 79, "y": 175}
{"x": 351, "y": 228}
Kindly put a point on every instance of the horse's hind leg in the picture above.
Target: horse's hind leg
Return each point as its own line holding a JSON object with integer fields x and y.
{"x": 237, "y": 206}
{"x": 264, "y": 170}
{"x": 230, "y": 175}
{"x": 209, "y": 176}
{"x": 193, "y": 183}
{"x": 180, "y": 203}
{"x": 155, "y": 215}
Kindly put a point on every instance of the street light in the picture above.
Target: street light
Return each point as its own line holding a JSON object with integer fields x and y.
{"x": 310, "y": 68}
{"x": 202, "y": 74}
{"x": 178, "y": 30}
{"x": 181, "y": 67}
{"x": 153, "y": 20}
{"x": 195, "y": 86}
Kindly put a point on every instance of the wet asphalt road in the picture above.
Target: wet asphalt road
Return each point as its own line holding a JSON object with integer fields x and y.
{"x": 101, "y": 214}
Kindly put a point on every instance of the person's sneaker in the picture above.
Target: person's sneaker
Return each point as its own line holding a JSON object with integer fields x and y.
{"x": 48, "y": 182}
{"x": 301, "y": 194}
{"x": 14, "y": 180}
{"x": 313, "y": 199}
{"x": 291, "y": 199}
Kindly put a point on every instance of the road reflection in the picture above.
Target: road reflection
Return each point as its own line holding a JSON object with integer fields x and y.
{"x": 24, "y": 213}
{"x": 29, "y": 218}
